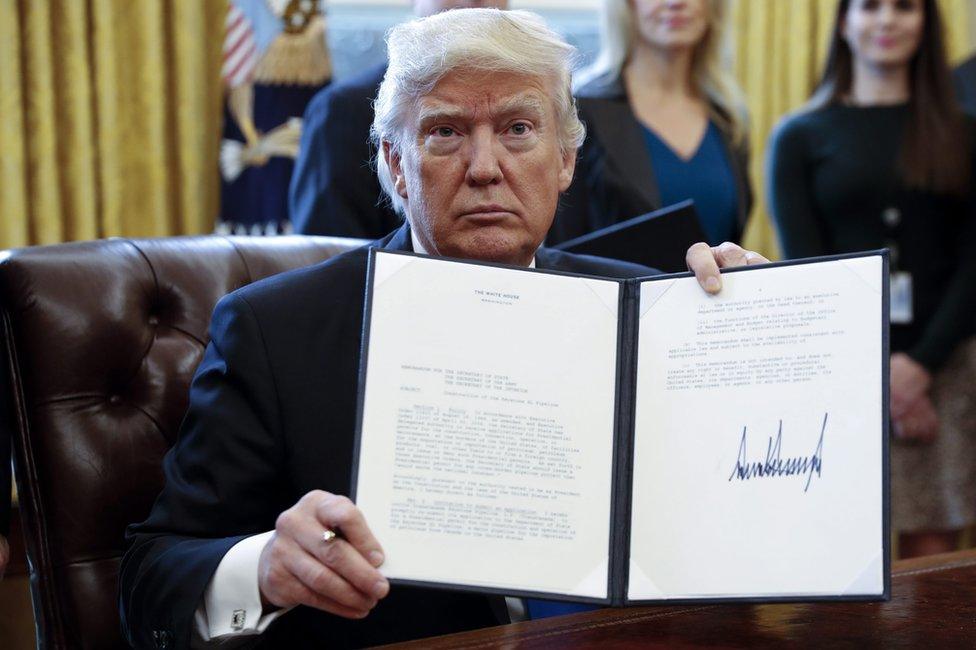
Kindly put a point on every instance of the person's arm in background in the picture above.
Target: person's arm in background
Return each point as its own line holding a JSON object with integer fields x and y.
{"x": 334, "y": 189}
{"x": 790, "y": 194}
{"x": 953, "y": 320}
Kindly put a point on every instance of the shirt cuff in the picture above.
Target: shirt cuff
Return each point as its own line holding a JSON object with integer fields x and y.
{"x": 232, "y": 601}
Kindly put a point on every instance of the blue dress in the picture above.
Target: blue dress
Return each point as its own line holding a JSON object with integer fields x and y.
{"x": 706, "y": 177}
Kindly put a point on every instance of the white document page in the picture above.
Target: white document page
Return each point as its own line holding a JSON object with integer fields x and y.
{"x": 487, "y": 437}
{"x": 758, "y": 458}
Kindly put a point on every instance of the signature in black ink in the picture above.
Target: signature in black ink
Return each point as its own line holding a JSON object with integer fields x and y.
{"x": 774, "y": 465}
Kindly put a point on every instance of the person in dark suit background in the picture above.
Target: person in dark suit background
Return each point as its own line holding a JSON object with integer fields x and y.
{"x": 334, "y": 189}
{"x": 240, "y": 541}
{"x": 665, "y": 121}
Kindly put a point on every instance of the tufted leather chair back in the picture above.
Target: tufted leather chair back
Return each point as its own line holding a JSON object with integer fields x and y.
{"x": 100, "y": 341}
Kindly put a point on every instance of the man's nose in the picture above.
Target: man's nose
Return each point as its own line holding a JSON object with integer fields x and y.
{"x": 483, "y": 164}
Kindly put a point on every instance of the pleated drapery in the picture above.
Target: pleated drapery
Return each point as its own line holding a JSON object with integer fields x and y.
{"x": 109, "y": 118}
{"x": 780, "y": 47}
{"x": 110, "y": 109}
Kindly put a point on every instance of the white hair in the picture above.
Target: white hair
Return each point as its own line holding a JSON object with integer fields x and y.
{"x": 423, "y": 51}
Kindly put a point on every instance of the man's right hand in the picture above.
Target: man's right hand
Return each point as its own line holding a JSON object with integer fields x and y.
{"x": 298, "y": 567}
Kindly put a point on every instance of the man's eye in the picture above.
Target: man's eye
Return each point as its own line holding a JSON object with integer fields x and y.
{"x": 520, "y": 128}
{"x": 444, "y": 131}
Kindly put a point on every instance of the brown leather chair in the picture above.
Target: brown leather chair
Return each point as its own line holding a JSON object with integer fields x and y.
{"x": 100, "y": 341}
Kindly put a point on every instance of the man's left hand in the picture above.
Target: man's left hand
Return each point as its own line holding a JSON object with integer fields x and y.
{"x": 705, "y": 261}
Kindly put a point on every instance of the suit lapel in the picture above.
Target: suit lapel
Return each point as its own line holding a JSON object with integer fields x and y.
{"x": 398, "y": 240}
{"x": 544, "y": 259}
{"x": 624, "y": 144}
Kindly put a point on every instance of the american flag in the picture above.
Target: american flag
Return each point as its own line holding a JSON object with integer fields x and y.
{"x": 250, "y": 28}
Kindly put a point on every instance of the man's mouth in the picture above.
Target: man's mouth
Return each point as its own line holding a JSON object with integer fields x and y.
{"x": 487, "y": 213}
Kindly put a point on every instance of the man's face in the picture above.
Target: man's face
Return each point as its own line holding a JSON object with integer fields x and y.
{"x": 481, "y": 169}
{"x": 431, "y": 7}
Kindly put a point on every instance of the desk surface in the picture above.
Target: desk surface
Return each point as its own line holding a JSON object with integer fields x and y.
{"x": 933, "y": 605}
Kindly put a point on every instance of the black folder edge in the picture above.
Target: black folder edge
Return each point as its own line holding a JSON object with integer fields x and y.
{"x": 622, "y": 471}
{"x": 623, "y": 460}
{"x": 624, "y": 225}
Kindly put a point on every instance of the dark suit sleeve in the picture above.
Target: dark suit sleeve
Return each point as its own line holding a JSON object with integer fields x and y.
{"x": 573, "y": 212}
{"x": 222, "y": 482}
{"x": 334, "y": 189}
{"x": 791, "y": 195}
{"x": 577, "y": 214}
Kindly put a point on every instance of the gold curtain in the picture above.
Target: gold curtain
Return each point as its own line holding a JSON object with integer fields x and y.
{"x": 780, "y": 46}
{"x": 110, "y": 114}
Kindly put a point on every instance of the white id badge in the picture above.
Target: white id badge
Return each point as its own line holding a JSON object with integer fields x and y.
{"x": 901, "y": 298}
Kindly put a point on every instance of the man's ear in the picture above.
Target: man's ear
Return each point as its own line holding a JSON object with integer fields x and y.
{"x": 567, "y": 169}
{"x": 394, "y": 164}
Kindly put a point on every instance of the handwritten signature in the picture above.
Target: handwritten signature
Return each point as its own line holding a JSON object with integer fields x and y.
{"x": 774, "y": 465}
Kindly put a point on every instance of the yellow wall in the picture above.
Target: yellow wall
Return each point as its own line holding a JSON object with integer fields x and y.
{"x": 110, "y": 109}
{"x": 109, "y": 118}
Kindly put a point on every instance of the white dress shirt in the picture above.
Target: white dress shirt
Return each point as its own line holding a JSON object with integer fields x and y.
{"x": 231, "y": 607}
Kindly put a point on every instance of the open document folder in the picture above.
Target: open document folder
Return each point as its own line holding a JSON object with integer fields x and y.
{"x": 537, "y": 433}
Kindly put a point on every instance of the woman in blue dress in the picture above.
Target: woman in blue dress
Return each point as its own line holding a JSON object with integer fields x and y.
{"x": 665, "y": 122}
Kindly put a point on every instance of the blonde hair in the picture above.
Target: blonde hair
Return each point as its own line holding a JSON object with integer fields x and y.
{"x": 424, "y": 50}
{"x": 711, "y": 74}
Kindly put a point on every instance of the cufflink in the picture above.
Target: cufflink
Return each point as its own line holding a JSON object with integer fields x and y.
{"x": 161, "y": 639}
{"x": 237, "y": 619}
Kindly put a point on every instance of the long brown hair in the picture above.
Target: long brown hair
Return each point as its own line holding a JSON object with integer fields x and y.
{"x": 935, "y": 152}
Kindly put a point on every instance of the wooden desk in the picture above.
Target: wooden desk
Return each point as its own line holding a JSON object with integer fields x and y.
{"x": 933, "y": 606}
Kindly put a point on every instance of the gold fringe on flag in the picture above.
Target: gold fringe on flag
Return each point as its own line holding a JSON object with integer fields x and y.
{"x": 297, "y": 59}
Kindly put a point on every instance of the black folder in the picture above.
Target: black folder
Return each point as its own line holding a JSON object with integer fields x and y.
{"x": 619, "y": 574}
{"x": 657, "y": 239}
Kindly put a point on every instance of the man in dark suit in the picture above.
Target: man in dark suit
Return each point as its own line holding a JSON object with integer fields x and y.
{"x": 334, "y": 190}
{"x": 251, "y": 534}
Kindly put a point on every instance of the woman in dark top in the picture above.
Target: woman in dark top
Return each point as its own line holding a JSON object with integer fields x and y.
{"x": 664, "y": 121}
{"x": 882, "y": 157}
